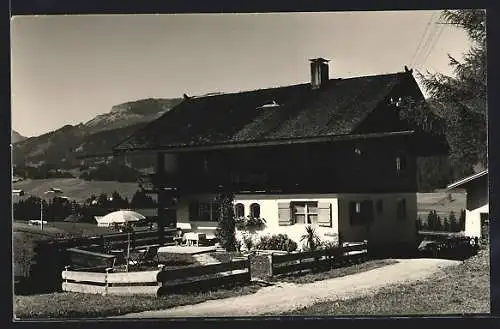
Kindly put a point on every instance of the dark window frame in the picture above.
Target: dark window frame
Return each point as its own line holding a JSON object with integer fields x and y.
{"x": 239, "y": 207}
{"x": 200, "y": 207}
{"x": 255, "y": 210}
{"x": 307, "y": 213}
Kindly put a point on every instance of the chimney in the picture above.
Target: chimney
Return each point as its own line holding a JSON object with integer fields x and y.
{"x": 319, "y": 72}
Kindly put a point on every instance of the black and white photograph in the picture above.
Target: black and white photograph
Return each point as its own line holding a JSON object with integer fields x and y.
{"x": 273, "y": 164}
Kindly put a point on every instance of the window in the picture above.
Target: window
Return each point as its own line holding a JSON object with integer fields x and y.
{"x": 305, "y": 212}
{"x": 204, "y": 211}
{"x": 354, "y": 212}
{"x": 380, "y": 206}
{"x": 401, "y": 209}
{"x": 400, "y": 163}
{"x": 360, "y": 212}
{"x": 255, "y": 210}
{"x": 239, "y": 210}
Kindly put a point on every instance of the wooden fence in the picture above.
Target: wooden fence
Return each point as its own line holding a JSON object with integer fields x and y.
{"x": 157, "y": 282}
{"x": 89, "y": 260}
{"x": 128, "y": 283}
{"x": 138, "y": 239}
{"x": 295, "y": 262}
{"x": 51, "y": 256}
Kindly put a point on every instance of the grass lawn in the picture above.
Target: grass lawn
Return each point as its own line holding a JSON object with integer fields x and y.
{"x": 336, "y": 272}
{"x": 75, "y": 305}
{"x": 460, "y": 289}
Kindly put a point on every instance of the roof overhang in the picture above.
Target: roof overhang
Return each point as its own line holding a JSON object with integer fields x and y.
{"x": 465, "y": 180}
{"x": 276, "y": 142}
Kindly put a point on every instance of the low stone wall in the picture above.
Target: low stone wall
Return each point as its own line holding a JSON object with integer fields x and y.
{"x": 260, "y": 266}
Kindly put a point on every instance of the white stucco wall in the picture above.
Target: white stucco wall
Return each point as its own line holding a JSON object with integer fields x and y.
{"x": 473, "y": 220}
{"x": 269, "y": 211}
{"x": 385, "y": 228}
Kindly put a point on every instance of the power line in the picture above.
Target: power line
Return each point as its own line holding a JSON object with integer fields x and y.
{"x": 425, "y": 47}
{"x": 434, "y": 44}
{"x": 422, "y": 39}
{"x": 427, "y": 44}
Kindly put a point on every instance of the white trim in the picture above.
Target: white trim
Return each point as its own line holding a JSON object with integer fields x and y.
{"x": 467, "y": 179}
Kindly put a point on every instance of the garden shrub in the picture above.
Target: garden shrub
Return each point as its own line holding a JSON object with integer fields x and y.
{"x": 276, "y": 242}
{"x": 248, "y": 241}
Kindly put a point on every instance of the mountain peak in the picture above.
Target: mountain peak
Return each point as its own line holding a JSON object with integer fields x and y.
{"x": 16, "y": 137}
{"x": 130, "y": 113}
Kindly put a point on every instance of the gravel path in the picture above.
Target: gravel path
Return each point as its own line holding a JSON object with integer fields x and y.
{"x": 285, "y": 297}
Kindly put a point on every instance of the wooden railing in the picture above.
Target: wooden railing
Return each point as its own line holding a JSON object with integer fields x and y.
{"x": 129, "y": 283}
{"x": 114, "y": 240}
{"x": 203, "y": 277}
{"x": 295, "y": 262}
{"x": 89, "y": 260}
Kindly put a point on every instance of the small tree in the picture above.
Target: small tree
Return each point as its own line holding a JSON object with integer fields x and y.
{"x": 446, "y": 225}
{"x": 461, "y": 220}
{"x": 432, "y": 220}
{"x": 439, "y": 222}
{"x": 226, "y": 230}
{"x": 454, "y": 226}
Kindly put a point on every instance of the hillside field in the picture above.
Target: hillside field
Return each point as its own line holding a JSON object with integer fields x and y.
{"x": 440, "y": 202}
{"x": 74, "y": 188}
{"x": 79, "y": 190}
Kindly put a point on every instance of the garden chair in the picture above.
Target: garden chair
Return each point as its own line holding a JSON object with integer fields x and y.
{"x": 149, "y": 256}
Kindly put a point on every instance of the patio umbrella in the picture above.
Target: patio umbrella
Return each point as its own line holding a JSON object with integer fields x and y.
{"x": 122, "y": 217}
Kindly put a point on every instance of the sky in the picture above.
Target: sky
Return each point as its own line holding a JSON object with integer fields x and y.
{"x": 68, "y": 69}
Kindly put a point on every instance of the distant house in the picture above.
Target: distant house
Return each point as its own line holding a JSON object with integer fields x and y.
{"x": 55, "y": 190}
{"x": 477, "y": 208}
{"x": 332, "y": 153}
{"x": 18, "y": 192}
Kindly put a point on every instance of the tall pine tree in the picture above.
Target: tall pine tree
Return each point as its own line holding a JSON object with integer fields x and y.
{"x": 461, "y": 99}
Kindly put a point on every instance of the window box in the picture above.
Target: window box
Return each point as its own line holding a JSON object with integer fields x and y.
{"x": 249, "y": 222}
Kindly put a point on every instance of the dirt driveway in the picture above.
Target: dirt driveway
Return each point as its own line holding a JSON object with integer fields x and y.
{"x": 285, "y": 297}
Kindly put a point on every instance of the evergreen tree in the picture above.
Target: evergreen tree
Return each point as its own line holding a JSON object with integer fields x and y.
{"x": 102, "y": 200}
{"x": 226, "y": 230}
{"x": 461, "y": 99}
{"x": 446, "y": 225}
{"x": 439, "y": 222}
{"x": 461, "y": 220}
{"x": 454, "y": 225}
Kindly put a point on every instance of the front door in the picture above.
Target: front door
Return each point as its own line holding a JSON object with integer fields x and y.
{"x": 485, "y": 226}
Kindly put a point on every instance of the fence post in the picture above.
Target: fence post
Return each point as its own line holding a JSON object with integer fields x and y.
{"x": 249, "y": 268}
{"x": 161, "y": 269}
{"x": 66, "y": 268}
{"x": 106, "y": 284}
{"x": 271, "y": 262}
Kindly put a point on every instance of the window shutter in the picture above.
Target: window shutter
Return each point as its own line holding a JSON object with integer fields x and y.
{"x": 284, "y": 214}
{"x": 325, "y": 214}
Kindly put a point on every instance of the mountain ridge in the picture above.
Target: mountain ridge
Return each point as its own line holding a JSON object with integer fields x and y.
{"x": 61, "y": 147}
{"x": 16, "y": 137}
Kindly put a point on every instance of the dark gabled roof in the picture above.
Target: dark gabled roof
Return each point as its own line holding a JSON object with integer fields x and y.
{"x": 335, "y": 109}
